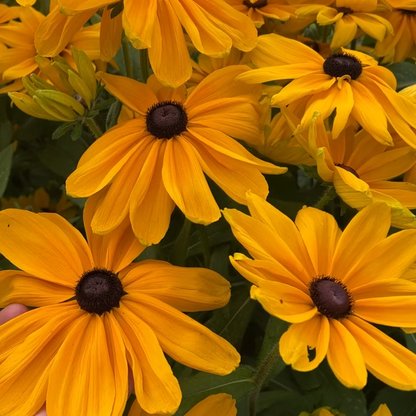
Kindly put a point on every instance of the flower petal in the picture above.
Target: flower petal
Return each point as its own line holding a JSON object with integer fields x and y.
{"x": 157, "y": 389}
{"x": 345, "y": 358}
{"x": 284, "y": 301}
{"x": 389, "y": 361}
{"x": 189, "y": 289}
{"x": 365, "y": 230}
{"x": 213, "y": 353}
{"x": 72, "y": 389}
{"x": 48, "y": 253}
{"x": 185, "y": 182}
{"x": 296, "y": 342}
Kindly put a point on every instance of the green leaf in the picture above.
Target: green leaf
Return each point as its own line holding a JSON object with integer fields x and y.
{"x": 113, "y": 114}
{"x": 230, "y": 322}
{"x": 6, "y": 134}
{"x": 62, "y": 130}
{"x": 76, "y": 133}
{"x": 405, "y": 73}
{"x": 6, "y": 159}
{"x": 202, "y": 385}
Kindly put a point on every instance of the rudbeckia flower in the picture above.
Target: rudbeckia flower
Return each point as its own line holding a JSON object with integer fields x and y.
{"x": 96, "y": 315}
{"x": 68, "y": 95}
{"x": 213, "y": 26}
{"x": 159, "y": 158}
{"x": 331, "y": 285}
{"x": 349, "y": 16}
{"x": 402, "y": 42}
{"x": 40, "y": 201}
{"x": 350, "y": 82}
{"x": 218, "y": 404}
{"x": 258, "y": 10}
{"x": 361, "y": 168}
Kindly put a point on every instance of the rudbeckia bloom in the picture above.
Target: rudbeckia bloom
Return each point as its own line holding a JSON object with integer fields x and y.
{"x": 330, "y": 285}
{"x": 213, "y": 26}
{"x": 349, "y": 16}
{"x": 402, "y": 43}
{"x": 257, "y": 10}
{"x": 350, "y": 82}
{"x": 98, "y": 313}
{"x": 40, "y": 201}
{"x": 159, "y": 158}
{"x": 361, "y": 168}
{"x": 218, "y": 404}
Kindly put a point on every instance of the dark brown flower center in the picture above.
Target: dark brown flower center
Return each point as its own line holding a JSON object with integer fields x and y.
{"x": 407, "y": 12}
{"x": 330, "y": 297}
{"x": 345, "y": 10}
{"x": 348, "y": 168}
{"x": 340, "y": 64}
{"x": 99, "y": 291}
{"x": 257, "y": 5}
{"x": 166, "y": 119}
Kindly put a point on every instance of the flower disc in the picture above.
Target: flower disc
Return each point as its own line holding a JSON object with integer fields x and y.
{"x": 340, "y": 64}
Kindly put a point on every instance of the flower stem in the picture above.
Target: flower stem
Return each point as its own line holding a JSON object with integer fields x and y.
{"x": 127, "y": 56}
{"x": 90, "y": 123}
{"x": 326, "y": 198}
{"x": 144, "y": 64}
{"x": 181, "y": 245}
{"x": 206, "y": 250}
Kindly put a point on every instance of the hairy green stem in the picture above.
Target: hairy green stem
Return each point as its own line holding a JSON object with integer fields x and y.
{"x": 92, "y": 125}
{"x": 326, "y": 198}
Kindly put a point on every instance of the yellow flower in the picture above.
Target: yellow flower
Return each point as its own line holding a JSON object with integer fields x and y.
{"x": 329, "y": 285}
{"x": 323, "y": 411}
{"x": 218, "y": 404}
{"x": 40, "y": 201}
{"x": 258, "y": 10}
{"x": 360, "y": 168}
{"x": 8, "y": 13}
{"x": 350, "y": 82}
{"x": 349, "y": 16}
{"x": 98, "y": 314}
{"x": 19, "y": 60}
{"x": 206, "y": 65}
{"x": 402, "y": 42}
{"x": 159, "y": 158}
{"x": 213, "y": 26}
{"x": 67, "y": 95}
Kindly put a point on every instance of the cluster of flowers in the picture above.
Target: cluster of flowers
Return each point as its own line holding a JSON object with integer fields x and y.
{"x": 98, "y": 314}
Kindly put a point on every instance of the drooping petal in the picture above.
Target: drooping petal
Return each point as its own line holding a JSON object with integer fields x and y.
{"x": 188, "y": 289}
{"x": 389, "y": 361}
{"x": 197, "y": 347}
{"x": 157, "y": 389}
{"x": 217, "y": 404}
{"x": 72, "y": 389}
{"x": 296, "y": 342}
{"x": 345, "y": 358}
{"x": 185, "y": 182}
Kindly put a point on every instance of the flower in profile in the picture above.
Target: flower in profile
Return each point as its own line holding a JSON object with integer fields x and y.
{"x": 213, "y": 26}
{"x": 68, "y": 95}
{"x": 349, "y": 17}
{"x": 20, "y": 58}
{"x": 349, "y": 82}
{"x": 361, "y": 168}
{"x": 331, "y": 285}
{"x": 221, "y": 404}
{"x": 40, "y": 201}
{"x": 98, "y": 314}
{"x": 402, "y": 42}
{"x": 157, "y": 160}
{"x": 258, "y": 10}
